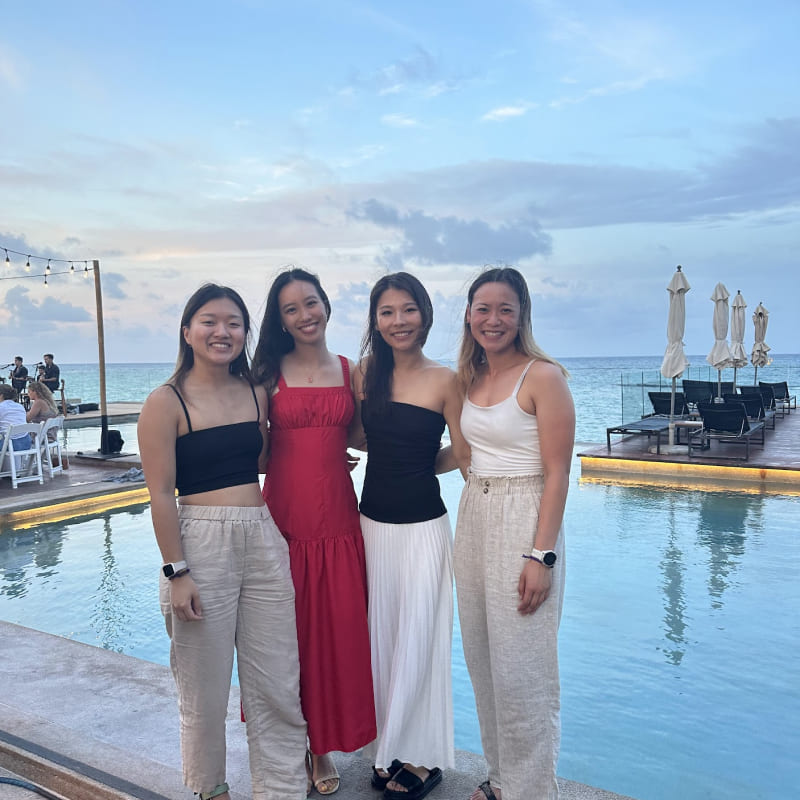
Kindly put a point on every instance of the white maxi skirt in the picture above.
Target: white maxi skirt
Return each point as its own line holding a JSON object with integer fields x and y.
{"x": 410, "y": 583}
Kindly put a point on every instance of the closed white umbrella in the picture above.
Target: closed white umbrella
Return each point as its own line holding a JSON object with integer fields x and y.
{"x": 760, "y": 355}
{"x": 738, "y": 353}
{"x": 675, "y": 361}
{"x": 720, "y": 355}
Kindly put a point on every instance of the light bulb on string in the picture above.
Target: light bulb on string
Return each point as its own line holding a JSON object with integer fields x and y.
{"x": 8, "y": 260}
{"x": 47, "y": 268}
{"x": 45, "y": 280}
{"x": 71, "y": 268}
{"x": 28, "y": 265}
{"x": 85, "y": 269}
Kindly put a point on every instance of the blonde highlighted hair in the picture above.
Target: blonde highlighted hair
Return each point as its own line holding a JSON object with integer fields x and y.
{"x": 471, "y": 356}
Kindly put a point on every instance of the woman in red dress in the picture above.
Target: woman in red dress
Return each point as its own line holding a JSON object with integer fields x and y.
{"x": 310, "y": 493}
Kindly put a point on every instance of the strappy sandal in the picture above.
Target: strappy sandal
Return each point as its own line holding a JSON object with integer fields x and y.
{"x": 332, "y": 778}
{"x": 486, "y": 788}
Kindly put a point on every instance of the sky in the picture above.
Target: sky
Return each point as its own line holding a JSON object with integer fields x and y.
{"x": 594, "y": 145}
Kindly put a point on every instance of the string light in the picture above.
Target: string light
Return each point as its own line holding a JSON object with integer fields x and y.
{"x": 50, "y": 266}
{"x": 45, "y": 280}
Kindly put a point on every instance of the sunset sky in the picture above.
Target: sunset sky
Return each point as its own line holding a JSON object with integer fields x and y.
{"x": 593, "y": 144}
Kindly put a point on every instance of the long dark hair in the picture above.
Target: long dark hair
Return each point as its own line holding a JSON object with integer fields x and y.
{"x": 205, "y": 294}
{"x": 273, "y": 341}
{"x": 375, "y": 353}
{"x": 471, "y": 355}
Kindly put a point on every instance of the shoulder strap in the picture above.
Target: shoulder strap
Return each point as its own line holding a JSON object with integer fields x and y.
{"x": 185, "y": 410}
{"x": 522, "y": 378}
{"x": 255, "y": 400}
{"x": 345, "y": 371}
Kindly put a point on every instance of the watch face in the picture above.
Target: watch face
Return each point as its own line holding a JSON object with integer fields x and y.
{"x": 168, "y": 570}
{"x": 549, "y": 558}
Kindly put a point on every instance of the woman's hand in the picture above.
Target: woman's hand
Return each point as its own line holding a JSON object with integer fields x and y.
{"x": 534, "y": 586}
{"x": 185, "y": 599}
{"x": 351, "y": 460}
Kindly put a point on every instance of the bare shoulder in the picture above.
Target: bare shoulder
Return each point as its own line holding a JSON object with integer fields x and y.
{"x": 161, "y": 400}
{"x": 545, "y": 379}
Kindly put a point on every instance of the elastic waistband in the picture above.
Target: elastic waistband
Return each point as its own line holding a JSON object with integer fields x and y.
{"x": 223, "y": 513}
{"x": 507, "y": 483}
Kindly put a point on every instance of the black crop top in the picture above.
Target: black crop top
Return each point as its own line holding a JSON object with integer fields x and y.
{"x": 218, "y": 457}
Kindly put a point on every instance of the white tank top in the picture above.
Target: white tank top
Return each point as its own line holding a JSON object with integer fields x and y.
{"x": 504, "y": 439}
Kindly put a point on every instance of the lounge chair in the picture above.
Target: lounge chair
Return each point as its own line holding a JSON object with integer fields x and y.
{"x": 754, "y": 405}
{"x": 728, "y": 424}
{"x": 695, "y": 392}
{"x": 662, "y": 401}
{"x": 782, "y": 396}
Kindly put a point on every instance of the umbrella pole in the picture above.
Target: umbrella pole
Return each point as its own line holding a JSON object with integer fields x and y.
{"x": 672, "y": 415}
{"x": 734, "y": 380}
{"x": 755, "y": 377}
{"x": 719, "y": 384}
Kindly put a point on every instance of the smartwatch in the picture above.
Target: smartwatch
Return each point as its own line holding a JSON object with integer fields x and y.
{"x": 170, "y": 570}
{"x": 546, "y": 557}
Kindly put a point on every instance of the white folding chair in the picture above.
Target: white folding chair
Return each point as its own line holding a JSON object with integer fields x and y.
{"x": 19, "y": 464}
{"x": 51, "y": 449}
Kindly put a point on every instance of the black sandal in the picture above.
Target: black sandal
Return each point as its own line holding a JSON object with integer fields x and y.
{"x": 415, "y": 786}
{"x": 486, "y": 788}
{"x": 379, "y": 781}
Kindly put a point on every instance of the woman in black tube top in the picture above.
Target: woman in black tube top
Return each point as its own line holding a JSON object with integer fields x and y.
{"x": 225, "y": 583}
{"x": 406, "y": 401}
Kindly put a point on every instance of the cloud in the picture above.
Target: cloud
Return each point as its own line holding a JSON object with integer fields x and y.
{"x": 112, "y": 285}
{"x": 428, "y": 239}
{"x": 505, "y": 112}
{"x": 24, "y": 312}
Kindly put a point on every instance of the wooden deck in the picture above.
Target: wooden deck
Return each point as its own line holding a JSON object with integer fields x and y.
{"x": 776, "y": 466}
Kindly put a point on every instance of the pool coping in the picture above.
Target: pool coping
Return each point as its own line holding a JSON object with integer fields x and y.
{"x": 99, "y": 725}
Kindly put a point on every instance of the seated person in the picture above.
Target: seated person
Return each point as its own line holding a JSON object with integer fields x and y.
{"x": 43, "y": 406}
{"x": 19, "y": 375}
{"x": 12, "y": 413}
{"x": 51, "y": 374}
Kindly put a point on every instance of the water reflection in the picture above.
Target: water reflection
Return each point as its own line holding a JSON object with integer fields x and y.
{"x": 109, "y": 615}
{"x": 38, "y": 547}
{"x": 722, "y": 529}
{"x": 673, "y": 571}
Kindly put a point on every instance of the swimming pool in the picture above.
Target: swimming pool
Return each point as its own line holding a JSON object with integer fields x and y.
{"x": 679, "y": 654}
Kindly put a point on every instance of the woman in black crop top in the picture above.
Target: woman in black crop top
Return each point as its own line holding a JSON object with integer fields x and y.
{"x": 406, "y": 400}
{"x": 225, "y": 582}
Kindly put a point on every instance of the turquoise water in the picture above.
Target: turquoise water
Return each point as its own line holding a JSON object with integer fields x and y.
{"x": 678, "y": 646}
{"x": 679, "y": 640}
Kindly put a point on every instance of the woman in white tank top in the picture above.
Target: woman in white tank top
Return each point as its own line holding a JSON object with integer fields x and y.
{"x": 519, "y": 421}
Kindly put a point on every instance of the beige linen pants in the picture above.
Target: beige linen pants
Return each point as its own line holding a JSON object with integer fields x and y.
{"x": 512, "y": 659}
{"x": 240, "y": 563}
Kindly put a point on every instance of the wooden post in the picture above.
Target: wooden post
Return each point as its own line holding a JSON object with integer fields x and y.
{"x": 101, "y": 357}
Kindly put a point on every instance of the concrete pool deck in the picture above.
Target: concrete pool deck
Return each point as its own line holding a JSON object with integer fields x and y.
{"x": 91, "y": 724}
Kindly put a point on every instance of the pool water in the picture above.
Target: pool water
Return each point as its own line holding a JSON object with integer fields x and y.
{"x": 678, "y": 645}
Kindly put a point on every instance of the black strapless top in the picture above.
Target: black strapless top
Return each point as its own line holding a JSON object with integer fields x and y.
{"x": 400, "y": 483}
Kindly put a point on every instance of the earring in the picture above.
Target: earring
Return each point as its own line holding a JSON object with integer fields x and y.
{"x": 284, "y": 329}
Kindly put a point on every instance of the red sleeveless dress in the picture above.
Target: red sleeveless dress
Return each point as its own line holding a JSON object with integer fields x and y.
{"x": 309, "y": 491}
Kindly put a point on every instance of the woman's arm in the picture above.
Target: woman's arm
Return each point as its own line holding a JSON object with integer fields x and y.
{"x": 263, "y": 404}
{"x": 356, "y": 437}
{"x": 34, "y": 409}
{"x": 157, "y": 431}
{"x": 546, "y": 387}
{"x": 459, "y": 454}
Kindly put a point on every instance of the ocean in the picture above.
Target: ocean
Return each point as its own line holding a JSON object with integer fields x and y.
{"x": 607, "y": 391}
